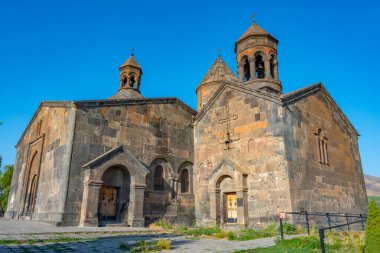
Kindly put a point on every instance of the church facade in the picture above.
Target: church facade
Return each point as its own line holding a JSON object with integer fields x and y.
{"x": 246, "y": 154}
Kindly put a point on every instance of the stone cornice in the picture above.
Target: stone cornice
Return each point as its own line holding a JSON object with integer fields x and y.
{"x": 134, "y": 101}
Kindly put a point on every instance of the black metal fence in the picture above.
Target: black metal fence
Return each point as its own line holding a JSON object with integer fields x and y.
{"x": 324, "y": 221}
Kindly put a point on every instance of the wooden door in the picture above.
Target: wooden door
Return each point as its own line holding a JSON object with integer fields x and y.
{"x": 231, "y": 207}
{"x": 108, "y": 202}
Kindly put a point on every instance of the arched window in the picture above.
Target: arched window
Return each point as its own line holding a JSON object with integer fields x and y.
{"x": 185, "y": 183}
{"x": 260, "y": 69}
{"x": 272, "y": 65}
{"x": 125, "y": 82}
{"x": 133, "y": 82}
{"x": 159, "y": 178}
{"x": 247, "y": 73}
{"x": 322, "y": 146}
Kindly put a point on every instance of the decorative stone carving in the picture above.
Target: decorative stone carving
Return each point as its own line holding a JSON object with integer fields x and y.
{"x": 322, "y": 146}
{"x": 229, "y": 138}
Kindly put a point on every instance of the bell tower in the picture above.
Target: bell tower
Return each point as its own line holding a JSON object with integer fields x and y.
{"x": 130, "y": 80}
{"x": 256, "y": 56}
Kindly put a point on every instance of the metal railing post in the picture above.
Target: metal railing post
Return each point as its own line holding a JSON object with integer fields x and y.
{"x": 348, "y": 225}
{"x": 322, "y": 239}
{"x": 307, "y": 223}
{"x": 281, "y": 230}
{"x": 361, "y": 220}
{"x": 328, "y": 220}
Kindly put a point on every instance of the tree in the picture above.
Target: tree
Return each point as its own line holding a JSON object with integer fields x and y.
{"x": 5, "y": 184}
{"x": 372, "y": 232}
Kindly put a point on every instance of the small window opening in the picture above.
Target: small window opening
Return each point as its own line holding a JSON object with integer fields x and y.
{"x": 322, "y": 146}
{"x": 133, "y": 82}
{"x": 184, "y": 181}
{"x": 158, "y": 179}
{"x": 125, "y": 82}
{"x": 260, "y": 70}
{"x": 247, "y": 73}
{"x": 272, "y": 65}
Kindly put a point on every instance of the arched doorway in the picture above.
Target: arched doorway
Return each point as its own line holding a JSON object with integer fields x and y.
{"x": 227, "y": 199}
{"x": 114, "y": 195}
{"x": 229, "y": 194}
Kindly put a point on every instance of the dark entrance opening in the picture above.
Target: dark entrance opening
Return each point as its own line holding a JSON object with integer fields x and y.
{"x": 114, "y": 195}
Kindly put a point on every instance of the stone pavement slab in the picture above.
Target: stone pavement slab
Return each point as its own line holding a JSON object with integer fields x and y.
{"x": 17, "y": 227}
{"x": 111, "y": 244}
{"x": 107, "y": 239}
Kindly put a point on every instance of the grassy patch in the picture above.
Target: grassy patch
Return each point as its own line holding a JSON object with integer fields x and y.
{"x": 147, "y": 246}
{"x": 219, "y": 233}
{"x": 376, "y": 199}
{"x": 123, "y": 246}
{"x": 52, "y": 240}
{"x": 347, "y": 242}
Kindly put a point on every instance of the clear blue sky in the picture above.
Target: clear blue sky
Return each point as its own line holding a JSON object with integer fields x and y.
{"x": 71, "y": 50}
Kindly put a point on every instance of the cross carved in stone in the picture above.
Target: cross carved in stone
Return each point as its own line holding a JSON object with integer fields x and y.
{"x": 229, "y": 138}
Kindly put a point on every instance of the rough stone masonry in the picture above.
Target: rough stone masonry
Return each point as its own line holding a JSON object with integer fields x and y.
{"x": 246, "y": 154}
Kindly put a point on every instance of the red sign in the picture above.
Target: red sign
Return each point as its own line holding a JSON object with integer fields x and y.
{"x": 282, "y": 216}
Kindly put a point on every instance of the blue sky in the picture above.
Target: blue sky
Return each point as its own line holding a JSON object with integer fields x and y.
{"x": 71, "y": 50}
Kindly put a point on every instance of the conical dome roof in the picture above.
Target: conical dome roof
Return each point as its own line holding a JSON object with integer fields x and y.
{"x": 219, "y": 72}
{"x": 131, "y": 62}
{"x": 254, "y": 30}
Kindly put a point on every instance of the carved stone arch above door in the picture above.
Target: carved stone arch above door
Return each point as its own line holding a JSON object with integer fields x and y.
{"x": 229, "y": 180}
{"x": 94, "y": 171}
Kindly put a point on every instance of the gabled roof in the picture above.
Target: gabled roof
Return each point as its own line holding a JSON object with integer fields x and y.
{"x": 45, "y": 104}
{"x": 235, "y": 86}
{"x": 283, "y": 100}
{"x": 106, "y": 102}
{"x": 218, "y": 72}
{"x": 109, "y": 154}
{"x": 312, "y": 89}
{"x": 131, "y": 62}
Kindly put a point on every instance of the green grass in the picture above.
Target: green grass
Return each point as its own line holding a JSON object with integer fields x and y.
{"x": 336, "y": 242}
{"x": 217, "y": 232}
{"x": 298, "y": 244}
{"x": 375, "y": 198}
{"x": 147, "y": 246}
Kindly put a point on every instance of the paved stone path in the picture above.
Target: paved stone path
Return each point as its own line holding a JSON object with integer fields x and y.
{"x": 107, "y": 239}
{"x": 17, "y": 227}
{"x": 111, "y": 244}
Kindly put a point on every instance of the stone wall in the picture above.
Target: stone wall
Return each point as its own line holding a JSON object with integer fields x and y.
{"x": 256, "y": 128}
{"x": 47, "y": 140}
{"x": 153, "y": 130}
{"x": 315, "y": 186}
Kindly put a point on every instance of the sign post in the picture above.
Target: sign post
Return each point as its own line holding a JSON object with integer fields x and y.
{"x": 282, "y": 217}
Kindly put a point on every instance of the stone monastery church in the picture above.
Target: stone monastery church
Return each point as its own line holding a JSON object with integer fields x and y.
{"x": 247, "y": 153}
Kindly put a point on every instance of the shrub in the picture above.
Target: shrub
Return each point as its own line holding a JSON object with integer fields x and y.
{"x": 289, "y": 228}
{"x": 231, "y": 236}
{"x": 123, "y": 246}
{"x": 164, "y": 244}
{"x": 311, "y": 242}
{"x": 163, "y": 223}
{"x": 372, "y": 233}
